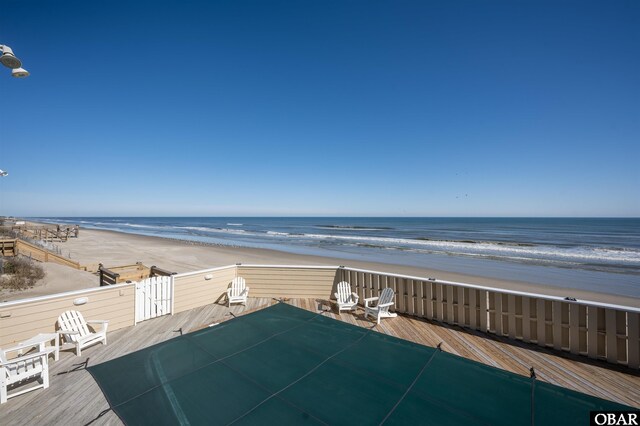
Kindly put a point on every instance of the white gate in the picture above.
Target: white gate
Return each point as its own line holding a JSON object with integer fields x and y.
{"x": 153, "y": 298}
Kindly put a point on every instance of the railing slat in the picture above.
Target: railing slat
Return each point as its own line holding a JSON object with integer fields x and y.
{"x": 429, "y": 296}
{"x": 557, "y": 324}
{"x": 611, "y": 339}
{"x": 498, "y": 313}
{"x": 526, "y": 319}
{"x": 633, "y": 336}
{"x": 473, "y": 308}
{"x": 461, "y": 303}
{"x": 592, "y": 332}
{"x": 574, "y": 328}
{"x": 421, "y": 301}
{"x": 541, "y": 322}
{"x": 484, "y": 323}
{"x": 450, "y": 306}
{"x": 439, "y": 302}
{"x": 511, "y": 315}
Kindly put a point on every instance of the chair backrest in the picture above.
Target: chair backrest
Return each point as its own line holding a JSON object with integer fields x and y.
{"x": 343, "y": 292}
{"x": 237, "y": 286}
{"x": 385, "y": 297}
{"x": 73, "y": 321}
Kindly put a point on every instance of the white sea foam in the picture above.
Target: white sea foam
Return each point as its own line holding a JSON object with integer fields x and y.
{"x": 490, "y": 249}
{"x": 135, "y": 225}
{"x": 493, "y": 248}
{"x": 216, "y": 230}
{"x": 351, "y": 228}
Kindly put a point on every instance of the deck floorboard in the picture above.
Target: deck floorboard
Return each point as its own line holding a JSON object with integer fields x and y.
{"x": 74, "y": 397}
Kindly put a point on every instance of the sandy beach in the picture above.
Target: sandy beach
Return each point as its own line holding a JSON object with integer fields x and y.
{"x": 116, "y": 249}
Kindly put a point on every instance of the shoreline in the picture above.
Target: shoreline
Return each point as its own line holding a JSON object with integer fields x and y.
{"x": 113, "y": 248}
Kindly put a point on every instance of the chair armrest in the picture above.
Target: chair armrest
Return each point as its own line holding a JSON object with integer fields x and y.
{"x": 62, "y": 331}
{"x": 20, "y": 347}
{"x": 355, "y": 297}
{"x": 229, "y": 292}
{"x": 369, "y": 300}
{"x": 336, "y": 295}
{"x": 22, "y": 358}
{"x": 245, "y": 291}
{"x": 383, "y": 305}
{"x": 104, "y": 323}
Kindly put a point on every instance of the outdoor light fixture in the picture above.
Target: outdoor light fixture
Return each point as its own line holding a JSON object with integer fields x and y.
{"x": 9, "y": 60}
{"x": 19, "y": 73}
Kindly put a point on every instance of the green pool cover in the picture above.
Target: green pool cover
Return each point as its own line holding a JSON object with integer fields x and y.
{"x": 285, "y": 365}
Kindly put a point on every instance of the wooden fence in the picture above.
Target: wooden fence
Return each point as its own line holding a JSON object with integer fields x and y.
{"x": 597, "y": 330}
{"x": 17, "y": 246}
{"x": 48, "y": 232}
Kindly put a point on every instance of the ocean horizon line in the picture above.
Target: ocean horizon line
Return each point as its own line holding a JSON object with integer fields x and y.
{"x": 331, "y": 216}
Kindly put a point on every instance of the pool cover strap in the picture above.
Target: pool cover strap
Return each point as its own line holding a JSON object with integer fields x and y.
{"x": 286, "y": 365}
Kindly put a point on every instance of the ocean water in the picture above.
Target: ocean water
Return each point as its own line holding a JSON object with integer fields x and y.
{"x": 593, "y": 254}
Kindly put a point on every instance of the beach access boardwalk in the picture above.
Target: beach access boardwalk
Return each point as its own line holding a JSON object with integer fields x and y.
{"x": 75, "y": 398}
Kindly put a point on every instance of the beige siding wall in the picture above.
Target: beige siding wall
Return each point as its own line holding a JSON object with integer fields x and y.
{"x": 193, "y": 290}
{"x": 289, "y": 282}
{"x": 21, "y": 321}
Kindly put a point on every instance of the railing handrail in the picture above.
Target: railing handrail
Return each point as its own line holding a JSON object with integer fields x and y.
{"x": 257, "y": 265}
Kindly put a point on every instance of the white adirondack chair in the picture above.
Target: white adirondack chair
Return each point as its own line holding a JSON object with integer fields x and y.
{"x": 16, "y": 369}
{"x": 381, "y": 308}
{"x": 75, "y": 330}
{"x": 346, "y": 299}
{"x": 237, "y": 291}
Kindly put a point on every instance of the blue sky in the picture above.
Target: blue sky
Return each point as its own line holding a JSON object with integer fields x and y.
{"x": 457, "y": 108}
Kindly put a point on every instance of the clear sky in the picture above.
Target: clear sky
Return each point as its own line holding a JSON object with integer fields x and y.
{"x": 392, "y": 108}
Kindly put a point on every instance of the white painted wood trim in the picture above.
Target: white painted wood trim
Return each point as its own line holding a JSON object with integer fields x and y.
{"x": 253, "y": 265}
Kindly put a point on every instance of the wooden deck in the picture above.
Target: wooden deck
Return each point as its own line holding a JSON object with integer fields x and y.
{"x": 74, "y": 397}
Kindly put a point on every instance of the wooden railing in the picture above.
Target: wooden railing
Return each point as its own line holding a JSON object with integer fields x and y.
{"x": 597, "y": 330}
{"x": 8, "y": 248}
{"x": 129, "y": 273}
{"x": 43, "y": 255}
{"x": 48, "y": 232}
